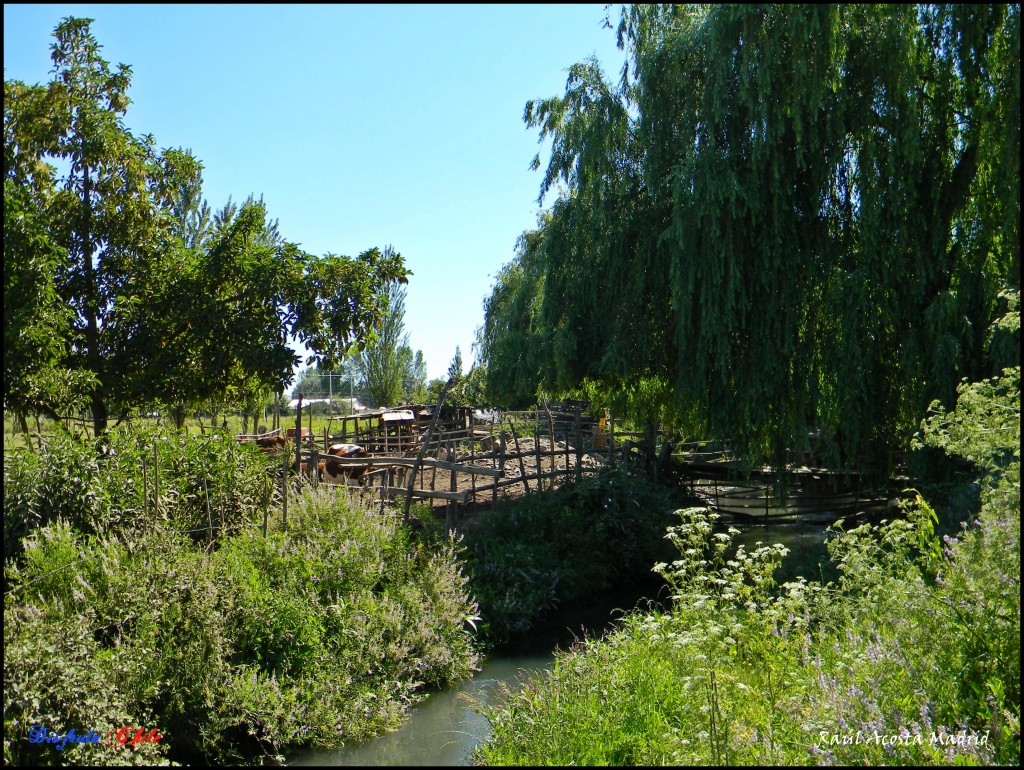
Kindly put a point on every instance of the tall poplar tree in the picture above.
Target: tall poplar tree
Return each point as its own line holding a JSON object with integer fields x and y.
{"x": 386, "y": 365}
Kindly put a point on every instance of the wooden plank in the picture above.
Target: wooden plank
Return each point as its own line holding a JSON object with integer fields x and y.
{"x": 427, "y": 494}
{"x": 452, "y": 514}
{"x": 423, "y": 448}
{"x": 411, "y": 462}
{"x": 519, "y": 454}
{"x": 506, "y": 483}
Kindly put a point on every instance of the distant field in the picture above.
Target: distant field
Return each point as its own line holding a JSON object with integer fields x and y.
{"x": 13, "y": 435}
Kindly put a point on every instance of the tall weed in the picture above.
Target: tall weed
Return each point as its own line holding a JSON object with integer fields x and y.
{"x": 143, "y": 478}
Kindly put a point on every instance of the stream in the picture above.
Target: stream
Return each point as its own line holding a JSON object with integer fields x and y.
{"x": 441, "y": 730}
{"x": 444, "y": 728}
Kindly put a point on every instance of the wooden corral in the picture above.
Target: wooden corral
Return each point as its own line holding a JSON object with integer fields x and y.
{"x": 469, "y": 462}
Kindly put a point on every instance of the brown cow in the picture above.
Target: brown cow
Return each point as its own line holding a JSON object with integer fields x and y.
{"x": 270, "y": 443}
{"x": 335, "y": 473}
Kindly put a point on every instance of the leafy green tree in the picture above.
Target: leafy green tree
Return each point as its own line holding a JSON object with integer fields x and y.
{"x": 455, "y": 367}
{"x": 34, "y": 315}
{"x": 309, "y": 384}
{"x": 511, "y": 341}
{"x": 139, "y": 295}
{"x": 780, "y": 218}
{"x": 190, "y": 212}
{"x": 416, "y": 379}
{"x": 433, "y": 390}
{"x": 463, "y": 389}
{"x": 222, "y": 322}
{"x": 102, "y": 212}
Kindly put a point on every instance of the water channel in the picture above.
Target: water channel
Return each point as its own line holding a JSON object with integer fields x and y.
{"x": 444, "y": 728}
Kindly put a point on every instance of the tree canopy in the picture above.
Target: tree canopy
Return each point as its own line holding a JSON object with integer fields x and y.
{"x": 117, "y": 276}
{"x": 780, "y": 218}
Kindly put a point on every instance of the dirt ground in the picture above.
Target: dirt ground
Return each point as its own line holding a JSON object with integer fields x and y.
{"x": 440, "y": 480}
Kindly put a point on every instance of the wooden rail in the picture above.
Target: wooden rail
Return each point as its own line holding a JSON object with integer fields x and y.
{"x": 409, "y": 462}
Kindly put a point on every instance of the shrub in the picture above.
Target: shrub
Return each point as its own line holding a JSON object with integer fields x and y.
{"x": 542, "y": 550}
{"x": 318, "y": 634}
{"x": 102, "y": 487}
{"x": 911, "y": 657}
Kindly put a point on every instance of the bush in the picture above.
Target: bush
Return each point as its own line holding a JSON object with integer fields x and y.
{"x": 542, "y": 550}
{"x": 102, "y": 487}
{"x": 319, "y": 634}
{"x": 911, "y": 657}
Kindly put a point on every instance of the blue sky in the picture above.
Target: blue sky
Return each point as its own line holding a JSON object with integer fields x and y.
{"x": 360, "y": 125}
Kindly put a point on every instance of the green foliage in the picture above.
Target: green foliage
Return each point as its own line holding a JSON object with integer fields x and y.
{"x": 782, "y": 218}
{"x": 985, "y": 426}
{"x": 322, "y": 633}
{"x": 117, "y": 274}
{"x": 103, "y": 205}
{"x": 34, "y": 314}
{"x": 110, "y": 486}
{"x": 911, "y": 657}
{"x": 511, "y": 345}
{"x": 387, "y": 370}
{"x": 536, "y": 553}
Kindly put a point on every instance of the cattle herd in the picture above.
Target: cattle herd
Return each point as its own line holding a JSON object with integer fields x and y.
{"x": 327, "y": 471}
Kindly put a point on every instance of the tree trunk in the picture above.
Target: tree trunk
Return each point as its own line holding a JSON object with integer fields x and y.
{"x": 92, "y": 336}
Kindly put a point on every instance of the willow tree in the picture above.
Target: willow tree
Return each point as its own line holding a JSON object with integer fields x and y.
{"x": 791, "y": 217}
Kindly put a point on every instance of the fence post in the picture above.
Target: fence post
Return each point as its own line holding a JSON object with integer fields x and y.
{"x": 565, "y": 480}
{"x": 209, "y": 513}
{"x": 423, "y": 450}
{"x": 284, "y": 487}
{"x": 499, "y": 462}
{"x": 579, "y": 448}
{"x": 611, "y": 441}
{"x": 652, "y": 442}
{"x": 519, "y": 456}
{"x": 551, "y": 444}
{"x": 145, "y": 495}
{"x": 472, "y": 461}
{"x": 453, "y": 506}
{"x": 298, "y": 435}
{"x": 156, "y": 480}
{"x": 536, "y": 453}
{"x": 267, "y": 487}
